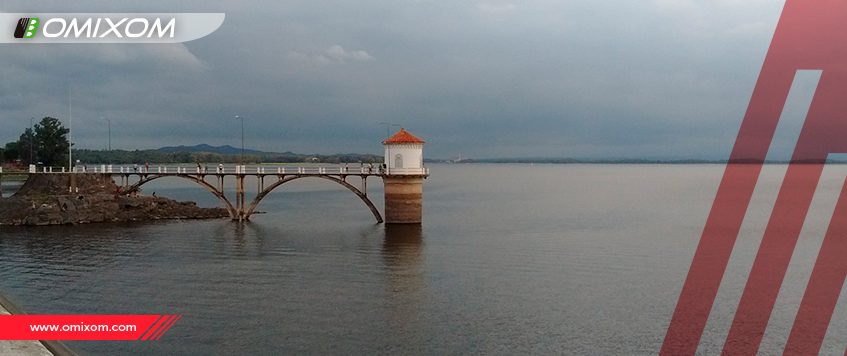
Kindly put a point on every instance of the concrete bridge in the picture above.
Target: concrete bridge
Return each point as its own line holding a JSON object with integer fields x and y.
{"x": 402, "y": 173}
{"x": 216, "y": 179}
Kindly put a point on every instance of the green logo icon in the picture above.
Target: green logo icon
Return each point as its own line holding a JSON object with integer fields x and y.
{"x": 27, "y": 27}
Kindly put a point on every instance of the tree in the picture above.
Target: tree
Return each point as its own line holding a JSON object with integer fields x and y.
{"x": 10, "y": 152}
{"x": 52, "y": 141}
{"x": 27, "y": 147}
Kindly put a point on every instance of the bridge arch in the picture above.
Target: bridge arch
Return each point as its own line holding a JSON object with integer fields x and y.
{"x": 196, "y": 179}
{"x": 255, "y": 203}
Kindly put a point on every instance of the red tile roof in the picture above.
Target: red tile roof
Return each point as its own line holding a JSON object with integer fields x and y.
{"x": 403, "y": 136}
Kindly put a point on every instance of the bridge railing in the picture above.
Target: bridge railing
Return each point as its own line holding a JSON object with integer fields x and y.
{"x": 232, "y": 169}
{"x": 47, "y": 169}
{"x": 408, "y": 171}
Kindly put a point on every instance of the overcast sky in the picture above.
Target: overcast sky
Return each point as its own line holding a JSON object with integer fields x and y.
{"x": 586, "y": 78}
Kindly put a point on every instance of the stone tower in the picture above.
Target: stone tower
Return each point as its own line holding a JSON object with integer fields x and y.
{"x": 404, "y": 175}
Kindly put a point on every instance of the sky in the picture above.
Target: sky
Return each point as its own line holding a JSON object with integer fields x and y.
{"x": 660, "y": 79}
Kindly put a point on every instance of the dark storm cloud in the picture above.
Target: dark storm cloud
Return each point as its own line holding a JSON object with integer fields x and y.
{"x": 605, "y": 78}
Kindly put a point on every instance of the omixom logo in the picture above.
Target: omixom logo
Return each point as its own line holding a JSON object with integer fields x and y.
{"x": 27, "y": 26}
{"x": 98, "y": 28}
{"x": 108, "y": 27}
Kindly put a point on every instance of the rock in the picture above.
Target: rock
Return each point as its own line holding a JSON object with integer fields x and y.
{"x": 45, "y": 200}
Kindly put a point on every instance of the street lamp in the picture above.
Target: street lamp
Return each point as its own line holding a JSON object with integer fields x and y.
{"x": 70, "y": 132}
{"x": 109, "y": 125}
{"x": 388, "y": 125}
{"x": 242, "y": 137}
{"x": 31, "y": 138}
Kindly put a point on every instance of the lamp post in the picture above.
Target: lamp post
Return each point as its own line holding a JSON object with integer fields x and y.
{"x": 388, "y": 126}
{"x": 109, "y": 125}
{"x": 31, "y": 138}
{"x": 242, "y": 137}
{"x": 70, "y": 133}
{"x": 387, "y": 159}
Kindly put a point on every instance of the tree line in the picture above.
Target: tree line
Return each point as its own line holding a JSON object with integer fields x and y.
{"x": 46, "y": 143}
{"x": 157, "y": 156}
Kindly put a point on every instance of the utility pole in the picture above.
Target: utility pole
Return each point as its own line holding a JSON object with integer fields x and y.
{"x": 31, "y": 138}
{"x": 387, "y": 159}
{"x": 70, "y": 132}
{"x": 109, "y": 125}
{"x": 242, "y": 137}
{"x": 388, "y": 126}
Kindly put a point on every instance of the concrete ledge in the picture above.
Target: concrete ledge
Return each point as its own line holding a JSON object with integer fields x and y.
{"x": 29, "y": 347}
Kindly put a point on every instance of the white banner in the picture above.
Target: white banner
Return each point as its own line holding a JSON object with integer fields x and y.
{"x": 107, "y": 27}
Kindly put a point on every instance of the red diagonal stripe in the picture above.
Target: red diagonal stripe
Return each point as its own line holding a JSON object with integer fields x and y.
{"x": 151, "y": 326}
{"x": 162, "y": 328}
{"x": 825, "y": 285}
{"x": 169, "y": 326}
{"x": 156, "y": 327}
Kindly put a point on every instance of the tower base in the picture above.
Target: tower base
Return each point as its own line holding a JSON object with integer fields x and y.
{"x": 403, "y": 199}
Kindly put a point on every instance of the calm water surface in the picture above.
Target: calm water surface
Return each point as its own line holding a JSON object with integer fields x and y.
{"x": 511, "y": 259}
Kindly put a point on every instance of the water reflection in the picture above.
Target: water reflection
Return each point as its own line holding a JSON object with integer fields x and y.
{"x": 238, "y": 232}
{"x": 401, "y": 248}
{"x": 241, "y": 239}
{"x": 77, "y": 245}
{"x": 402, "y": 254}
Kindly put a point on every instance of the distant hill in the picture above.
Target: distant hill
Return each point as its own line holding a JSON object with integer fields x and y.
{"x": 209, "y": 153}
{"x": 224, "y": 150}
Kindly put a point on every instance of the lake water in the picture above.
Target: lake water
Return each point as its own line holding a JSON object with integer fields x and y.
{"x": 510, "y": 259}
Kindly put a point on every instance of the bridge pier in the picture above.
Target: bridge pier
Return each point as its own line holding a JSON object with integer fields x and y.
{"x": 403, "y": 199}
{"x": 260, "y": 184}
{"x": 240, "y": 208}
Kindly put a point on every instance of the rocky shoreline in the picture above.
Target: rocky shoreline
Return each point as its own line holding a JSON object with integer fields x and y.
{"x": 45, "y": 200}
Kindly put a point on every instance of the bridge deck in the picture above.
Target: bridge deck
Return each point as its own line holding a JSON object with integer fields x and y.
{"x": 231, "y": 170}
{"x": 240, "y": 210}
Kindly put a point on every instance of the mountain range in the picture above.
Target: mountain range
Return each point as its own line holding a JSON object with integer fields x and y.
{"x": 224, "y": 150}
